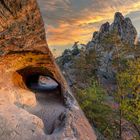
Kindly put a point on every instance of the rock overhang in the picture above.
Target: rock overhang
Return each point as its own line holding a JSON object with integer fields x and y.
{"x": 32, "y": 75}
{"x": 22, "y": 37}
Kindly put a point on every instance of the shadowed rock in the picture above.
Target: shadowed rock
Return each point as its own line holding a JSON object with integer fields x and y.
{"x": 47, "y": 83}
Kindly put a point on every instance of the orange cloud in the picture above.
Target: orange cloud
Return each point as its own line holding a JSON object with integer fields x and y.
{"x": 65, "y": 24}
{"x": 67, "y": 34}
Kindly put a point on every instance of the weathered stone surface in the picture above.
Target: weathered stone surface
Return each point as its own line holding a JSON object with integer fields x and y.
{"x": 125, "y": 28}
{"x": 21, "y": 27}
{"x": 24, "y": 52}
{"x": 105, "y": 27}
{"x": 47, "y": 83}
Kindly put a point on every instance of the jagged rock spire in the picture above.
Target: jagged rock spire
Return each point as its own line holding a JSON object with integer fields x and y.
{"x": 124, "y": 28}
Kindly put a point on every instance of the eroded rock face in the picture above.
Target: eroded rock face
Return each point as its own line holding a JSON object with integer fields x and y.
{"x": 21, "y": 27}
{"x": 47, "y": 82}
{"x": 23, "y": 112}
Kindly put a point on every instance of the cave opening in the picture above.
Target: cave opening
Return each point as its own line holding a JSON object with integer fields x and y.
{"x": 39, "y": 79}
{"x": 42, "y": 83}
{"x": 50, "y": 105}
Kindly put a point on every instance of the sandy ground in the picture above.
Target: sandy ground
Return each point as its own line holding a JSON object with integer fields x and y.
{"x": 49, "y": 107}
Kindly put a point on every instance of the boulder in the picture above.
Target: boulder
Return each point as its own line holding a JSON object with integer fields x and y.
{"x": 47, "y": 83}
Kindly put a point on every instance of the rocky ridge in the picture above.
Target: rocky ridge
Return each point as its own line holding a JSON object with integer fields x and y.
{"x": 121, "y": 28}
{"x": 123, "y": 32}
{"x": 102, "y": 52}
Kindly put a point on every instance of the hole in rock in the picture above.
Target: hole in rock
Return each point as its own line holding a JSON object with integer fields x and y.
{"x": 47, "y": 90}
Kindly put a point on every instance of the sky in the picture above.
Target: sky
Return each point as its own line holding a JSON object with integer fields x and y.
{"x": 68, "y": 21}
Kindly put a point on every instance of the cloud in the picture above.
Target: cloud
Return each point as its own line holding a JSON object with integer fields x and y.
{"x": 68, "y": 21}
{"x": 135, "y": 17}
{"x": 65, "y": 35}
{"x": 50, "y": 5}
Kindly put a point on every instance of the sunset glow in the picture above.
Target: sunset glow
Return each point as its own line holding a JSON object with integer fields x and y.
{"x": 67, "y": 21}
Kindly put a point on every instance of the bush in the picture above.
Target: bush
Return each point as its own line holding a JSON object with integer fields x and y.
{"x": 92, "y": 101}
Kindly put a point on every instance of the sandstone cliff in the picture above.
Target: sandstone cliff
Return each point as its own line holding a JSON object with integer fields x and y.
{"x": 25, "y": 114}
{"x": 21, "y": 27}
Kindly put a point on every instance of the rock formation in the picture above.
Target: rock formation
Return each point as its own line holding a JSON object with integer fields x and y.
{"x": 100, "y": 60}
{"x": 104, "y": 44}
{"x": 123, "y": 26}
{"x": 123, "y": 31}
{"x": 26, "y": 114}
{"x": 21, "y": 26}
